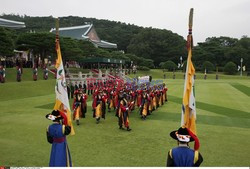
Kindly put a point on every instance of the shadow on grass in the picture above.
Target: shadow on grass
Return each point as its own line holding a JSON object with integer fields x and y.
{"x": 204, "y": 119}
{"x": 235, "y": 118}
{"x": 244, "y": 89}
{"x": 215, "y": 109}
{"x": 46, "y": 106}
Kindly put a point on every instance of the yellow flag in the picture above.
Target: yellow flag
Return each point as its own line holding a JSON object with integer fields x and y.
{"x": 188, "y": 116}
{"x": 62, "y": 101}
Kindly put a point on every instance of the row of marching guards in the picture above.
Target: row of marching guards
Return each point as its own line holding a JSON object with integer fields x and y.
{"x": 122, "y": 99}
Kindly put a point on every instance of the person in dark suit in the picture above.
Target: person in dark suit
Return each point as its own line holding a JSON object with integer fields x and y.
{"x": 84, "y": 87}
{"x": 76, "y": 86}
{"x": 68, "y": 90}
{"x": 90, "y": 88}
{"x": 80, "y": 86}
{"x": 71, "y": 90}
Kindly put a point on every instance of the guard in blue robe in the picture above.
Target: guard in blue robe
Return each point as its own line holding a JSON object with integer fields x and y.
{"x": 183, "y": 156}
{"x": 56, "y": 135}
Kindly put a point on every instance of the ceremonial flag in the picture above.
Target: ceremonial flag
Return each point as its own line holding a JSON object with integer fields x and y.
{"x": 188, "y": 116}
{"x": 62, "y": 101}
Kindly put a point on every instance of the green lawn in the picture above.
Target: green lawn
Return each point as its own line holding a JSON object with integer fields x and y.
{"x": 223, "y": 126}
{"x": 159, "y": 74}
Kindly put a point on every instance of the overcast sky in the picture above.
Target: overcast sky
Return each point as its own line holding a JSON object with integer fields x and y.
{"x": 211, "y": 17}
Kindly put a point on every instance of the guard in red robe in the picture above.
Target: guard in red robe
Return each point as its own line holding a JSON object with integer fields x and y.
{"x": 2, "y": 74}
{"x": 97, "y": 106}
{"x": 123, "y": 112}
{"x": 165, "y": 96}
{"x": 139, "y": 97}
{"x": 77, "y": 106}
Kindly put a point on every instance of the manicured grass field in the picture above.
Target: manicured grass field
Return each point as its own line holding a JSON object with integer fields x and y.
{"x": 223, "y": 123}
{"x": 159, "y": 74}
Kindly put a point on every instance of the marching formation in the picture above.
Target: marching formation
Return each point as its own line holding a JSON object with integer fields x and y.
{"x": 123, "y": 98}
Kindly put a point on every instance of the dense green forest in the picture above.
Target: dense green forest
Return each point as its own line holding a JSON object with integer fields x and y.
{"x": 147, "y": 47}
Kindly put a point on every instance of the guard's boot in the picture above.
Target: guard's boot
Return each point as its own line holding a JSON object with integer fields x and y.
{"x": 129, "y": 129}
{"x": 121, "y": 128}
{"x": 77, "y": 122}
{"x": 97, "y": 120}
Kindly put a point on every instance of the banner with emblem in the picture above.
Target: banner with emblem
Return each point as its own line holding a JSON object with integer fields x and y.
{"x": 188, "y": 116}
{"x": 62, "y": 101}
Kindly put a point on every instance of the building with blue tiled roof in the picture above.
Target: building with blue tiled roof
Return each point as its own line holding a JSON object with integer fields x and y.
{"x": 84, "y": 32}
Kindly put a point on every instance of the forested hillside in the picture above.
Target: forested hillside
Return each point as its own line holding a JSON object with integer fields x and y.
{"x": 148, "y": 47}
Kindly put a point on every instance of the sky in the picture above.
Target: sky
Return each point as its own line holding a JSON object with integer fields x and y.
{"x": 212, "y": 18}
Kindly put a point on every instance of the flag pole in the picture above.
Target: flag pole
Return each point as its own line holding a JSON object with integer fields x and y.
{"x": 190, "y": 26}
{"x": 57, "y": 26}
{"x": 188, "y": 117}
{"x": 62, "y": 102}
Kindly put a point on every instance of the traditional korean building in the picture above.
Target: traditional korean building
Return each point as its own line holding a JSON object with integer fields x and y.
{"x": 84, "y": 32}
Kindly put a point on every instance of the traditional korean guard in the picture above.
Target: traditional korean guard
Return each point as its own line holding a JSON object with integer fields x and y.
{"x": 97, "y": 106}
{"x": 2, "y": 74}
{"x": 56, "y": 135}
{"x": 45, "y": 73}
{"x": 183, "y": 155}
{"x": 19, "y": 74}
{"x": 35, "y": 73}
{"x": 123, "y": 113}
{"x": 77, "y": 106}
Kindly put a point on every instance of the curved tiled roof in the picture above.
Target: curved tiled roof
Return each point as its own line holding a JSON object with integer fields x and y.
{"x": 85, "y": 32}
{"x": 76, "y": 32}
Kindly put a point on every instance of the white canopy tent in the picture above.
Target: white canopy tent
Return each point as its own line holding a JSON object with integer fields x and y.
{"x": 11, "y": 24}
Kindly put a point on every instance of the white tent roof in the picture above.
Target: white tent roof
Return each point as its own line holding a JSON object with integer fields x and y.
{"x": 11, "y": 24}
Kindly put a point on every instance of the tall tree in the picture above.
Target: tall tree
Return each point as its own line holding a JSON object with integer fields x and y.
{"x": 158, "y": 45}
{"x": 70, "y": 49}
{"x": 6, "y": 43}
{"x": 42, "y": 44}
